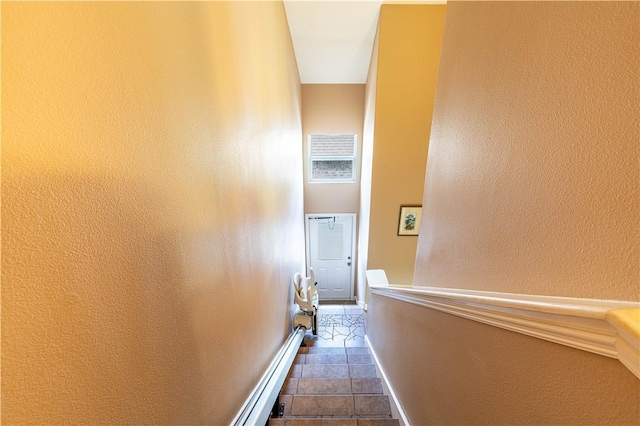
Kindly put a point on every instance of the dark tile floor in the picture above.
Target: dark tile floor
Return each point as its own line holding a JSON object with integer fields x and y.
{"x": 333, "y": 380}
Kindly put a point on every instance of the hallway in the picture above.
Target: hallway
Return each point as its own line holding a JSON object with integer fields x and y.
{"x": 156, "y": 163}
{"x": 334, "y": 380}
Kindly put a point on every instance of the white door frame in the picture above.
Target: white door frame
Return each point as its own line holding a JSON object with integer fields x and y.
{"x": 307, "y": 217}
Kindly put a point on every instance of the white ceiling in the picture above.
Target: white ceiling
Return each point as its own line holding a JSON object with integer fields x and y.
{"x": 333, "y": 39}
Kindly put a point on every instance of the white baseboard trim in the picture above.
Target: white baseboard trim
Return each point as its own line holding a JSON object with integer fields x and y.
{"x": 396, "y": 408}
{"x": 605, "y": 327}
{"x": 362, "y": 305}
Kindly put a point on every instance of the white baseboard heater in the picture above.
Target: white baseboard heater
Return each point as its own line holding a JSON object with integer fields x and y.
{"x": 257, "y": 409}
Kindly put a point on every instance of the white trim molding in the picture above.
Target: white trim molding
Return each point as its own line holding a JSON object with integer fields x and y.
{"x": 396, "y": 408}
{"x": 257, "y": 408}
{"x": 605, "y": 327}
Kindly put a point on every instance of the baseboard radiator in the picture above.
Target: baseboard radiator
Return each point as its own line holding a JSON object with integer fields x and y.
{"x": 257, "y": 409}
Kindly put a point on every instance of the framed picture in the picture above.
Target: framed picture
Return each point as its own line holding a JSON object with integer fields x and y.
{"x": 409, "y": 222}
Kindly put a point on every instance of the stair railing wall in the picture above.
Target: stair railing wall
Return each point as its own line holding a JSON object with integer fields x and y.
{"x": 606, "y": 327}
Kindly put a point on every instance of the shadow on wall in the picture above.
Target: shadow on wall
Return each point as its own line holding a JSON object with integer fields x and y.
{"x": 94, "y": 317}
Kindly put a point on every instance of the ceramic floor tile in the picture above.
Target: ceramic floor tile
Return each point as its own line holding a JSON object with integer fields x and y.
{"x": 361, "y": 371}
{"x": 357, "y": 350}
{"x": 338, "y": 337}
{"x": 366, "y": 385}
{"x": 353, "y": 335}
{"x": 335, "y": 371}
{"x": 327, "y": 343}
{"x": 330, "y": 320}
{"x": 353, "y": 320}
{"x": 333, "y": 405}
{"x": 321, "y": 372}
{"x": 356, "y": 342}
{"x": 376, "y": 422}
{"x": 287, "y": 400}
{"x": 330, "y": 309}
{"x": 366, "y": 405}
{"x": 319, "y": 422}
{"x": 326, "y": 359}
{"x": 308, "y": 386}
{"x": 359, "y": 359}
{"x": 324, "y": 350}
{"x": 324, "y": 333}
{"x": 290, "y": 386}
{"x": 359, "y": 331}
{"x": 344, "y": 331}
{"x": 296, "y": 371}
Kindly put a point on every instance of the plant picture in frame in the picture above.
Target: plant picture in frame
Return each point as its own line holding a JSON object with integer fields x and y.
{"x": 409, "y": 222}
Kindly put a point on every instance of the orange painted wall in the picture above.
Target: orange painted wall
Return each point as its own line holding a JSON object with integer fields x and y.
{"x": 533, "y": 182}
{"x": 532, "y": 187}
{"x": 152, "y": 208}
{"x": 364, "y": 225}
{"x": 410, "y": 37}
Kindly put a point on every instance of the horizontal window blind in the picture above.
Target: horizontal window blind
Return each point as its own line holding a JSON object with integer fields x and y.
{"x": 332, "y": 145}
{"x": 332, "y": 158}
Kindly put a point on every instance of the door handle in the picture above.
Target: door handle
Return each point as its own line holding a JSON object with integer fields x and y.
{"x": 348, "y": 263}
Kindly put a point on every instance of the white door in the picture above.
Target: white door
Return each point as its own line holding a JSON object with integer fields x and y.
{"x": 330, "y": 254}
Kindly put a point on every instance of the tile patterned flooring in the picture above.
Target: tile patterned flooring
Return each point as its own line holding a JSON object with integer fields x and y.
{"x": 333, "y": 380}
{"x": 339, "y": 326}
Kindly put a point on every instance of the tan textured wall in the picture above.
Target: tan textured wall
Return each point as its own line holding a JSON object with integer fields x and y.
{"x": 364, "y": 225}
{"x": 448, "y": 370}
{"x": 151, "y": 202}
{"x": 532, "y": 187}
{"x": 409, "y": 51}
{"x": 332, "y": 109}
{"x": 533, "y": 181}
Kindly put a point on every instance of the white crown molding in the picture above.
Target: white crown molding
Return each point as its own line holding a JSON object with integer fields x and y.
{"x": 605, "y": 327}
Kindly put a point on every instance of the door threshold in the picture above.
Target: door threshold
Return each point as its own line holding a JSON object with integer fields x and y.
{"x": 337, "y": 302}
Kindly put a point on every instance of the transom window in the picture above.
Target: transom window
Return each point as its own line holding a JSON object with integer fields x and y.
{"x": 332, "y": 158}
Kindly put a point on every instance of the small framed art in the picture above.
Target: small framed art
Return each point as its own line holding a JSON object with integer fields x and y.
{"x": 409, "y": 222}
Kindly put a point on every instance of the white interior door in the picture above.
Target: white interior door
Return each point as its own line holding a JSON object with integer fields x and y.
{"x": 330, "y": 253}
